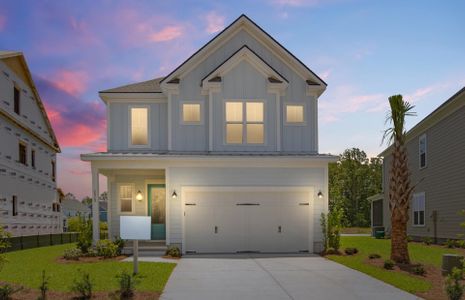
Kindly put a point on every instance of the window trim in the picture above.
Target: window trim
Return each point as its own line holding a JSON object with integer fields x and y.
{"x": 420, "y": 138}
{"x": 304, "y": 107}
{"x": 133, "y": 197}
{"x": 149, "y": 141}
{"x": 424, "y": 210}
{"x": 181, "y": 113}
{"x": 244, "y": 122}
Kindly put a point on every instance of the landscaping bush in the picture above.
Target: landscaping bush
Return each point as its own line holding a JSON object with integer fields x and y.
{"x": 331, "y": 228}
{"x": 7, "y": 290}
{"x": 85, "y": 235}
{"x": 43, "y": 286}
{"x": 460, "y": 244}
{"x": 351, "y": 251}
{"x": 419, "y": 270}
{"x": 389, "y": 264}
{"x": 409, "y": 239}
{"x": 72, "y": 254}
{"x": 454, "y": 288}
{"x": 331, "y": 251}
{"x": 82, "y": 286}
{"x": 4, "y": 245}
{"x": 374, "y": 256}
{"x": 127, "y": 285}
{"x": 173, "y": 251}
{"x": 427, "y": 240}
{"x": 91, "y": 252}
{"x": 107, "y": 249}
{"x": 119, "y": 242}
{"x": 450, "y": 243}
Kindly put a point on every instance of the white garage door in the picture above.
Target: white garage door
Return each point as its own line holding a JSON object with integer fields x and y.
{"x": 241, "y": 221}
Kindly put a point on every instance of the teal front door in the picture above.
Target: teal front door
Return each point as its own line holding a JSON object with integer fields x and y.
{"x": 157, "y": 210}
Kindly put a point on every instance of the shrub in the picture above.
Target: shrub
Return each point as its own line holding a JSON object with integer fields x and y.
{"x": 107, "y": 249}
{"x": 82, "y": 286}
{"x": 419, "y": 270}
{"x": 409, "y": 239}
{"x": 173, "y": 251}
{"x": 127, "y": 285}
{"x": 7, "y": 290}
{"x": 120, "y": 243}
{"x": 331, "y": 229}
{"x": 374, "y": 256}
{"x": 91, "y": 252}
{"x": 460, "y": 243}
{"x": 427, "y": 240}
{"x": 351, "y": 251}
{"x": 331, "y": 251}
{"x": 450, "y": 243}
{"x": 4, "y": 245}
{"x": 389, "y": 264}
{"x": 72, "y": 254}
{"x": 43, "y": 286}
{"x": 84, "y": 241}
{"x": 453, "y": 287}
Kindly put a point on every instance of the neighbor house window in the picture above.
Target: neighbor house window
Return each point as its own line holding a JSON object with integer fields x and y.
{"x": 126, "y": 192}
{"x": 33, "y": 158}
{"x": 53, "y": 170}
{"x": 295, "y": 114}
{"x": 418, "y": 209}
{"x": 191, "y": 113}
{"x": 14, "y": 206}
{"x": 139, "y": 131}
{"x": 422, "y": 151}
{"x": 22, "y": 154}
{"x": 16, "y": 99}
{"x": 245, "y": 122}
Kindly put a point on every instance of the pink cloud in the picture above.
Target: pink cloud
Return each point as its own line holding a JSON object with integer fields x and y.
{"x": 215, "y": 22}
{"x": 72, "y": 82}
{"x": 2, "y": 22}
{"x": 166, "y": 34}
{"x": 297, "y": 3}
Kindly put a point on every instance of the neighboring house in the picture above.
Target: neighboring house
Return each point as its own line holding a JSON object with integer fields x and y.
{"x": 28, "y": 148}
{"x": 71, "y": 207}
{"x": 103, "y": 207}
{"x": 436, "y": 154}
{"x": 222, "y": 152}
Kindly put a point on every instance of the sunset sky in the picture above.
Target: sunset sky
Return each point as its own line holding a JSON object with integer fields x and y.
{"x": 365, "y": 51}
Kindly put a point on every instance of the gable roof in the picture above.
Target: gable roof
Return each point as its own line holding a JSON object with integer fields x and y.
{"x": 20, "y": 56}
{"x": 149, "y": 86}
{"x": 449, "y": 106}
{"x": 243, "y": 20}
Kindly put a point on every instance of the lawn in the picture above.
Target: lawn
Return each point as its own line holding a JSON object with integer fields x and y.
{"x": 419, "y": 253}
{"x": 25, "y": 268}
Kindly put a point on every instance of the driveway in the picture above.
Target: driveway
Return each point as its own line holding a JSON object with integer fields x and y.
{"x": 272, "y": 277}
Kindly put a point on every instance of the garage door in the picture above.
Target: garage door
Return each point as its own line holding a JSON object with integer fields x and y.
{"x": 246, "y": 221}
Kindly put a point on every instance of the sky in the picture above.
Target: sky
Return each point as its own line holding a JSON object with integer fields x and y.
{"x": 365, "y": 50}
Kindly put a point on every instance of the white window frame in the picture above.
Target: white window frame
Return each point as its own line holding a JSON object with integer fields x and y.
{"x": 414, "y": 199}
{"x": 304, "y": 107}
{"x": 133, "y": 197}
{"x": 422, "y": 137}
{"x": 244, "y": 122}
{"x": 149, "y": 133}
{"x": 181, "y": 113}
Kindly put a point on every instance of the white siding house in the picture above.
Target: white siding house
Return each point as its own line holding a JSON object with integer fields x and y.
{"x": 28, "y": 148}
{"x": 222, "y": 153}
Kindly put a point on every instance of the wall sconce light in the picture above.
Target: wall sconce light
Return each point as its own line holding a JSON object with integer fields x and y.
{"x": 320, "y": 194}
{"x": 174, "y": 195}
{"x": 139, "y": 196}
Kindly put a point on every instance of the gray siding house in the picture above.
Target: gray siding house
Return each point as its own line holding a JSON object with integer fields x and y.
{"x": 436, "y": 151}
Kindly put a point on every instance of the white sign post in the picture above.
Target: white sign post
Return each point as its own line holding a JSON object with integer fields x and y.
{"x": 135, "y": 228}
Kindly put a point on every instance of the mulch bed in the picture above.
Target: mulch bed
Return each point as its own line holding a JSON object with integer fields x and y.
{"x": 89, "y": 259}
{"x": 27, "y": 294}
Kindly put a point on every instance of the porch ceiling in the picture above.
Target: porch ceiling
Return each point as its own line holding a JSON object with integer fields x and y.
{"x": 149, "y": 172}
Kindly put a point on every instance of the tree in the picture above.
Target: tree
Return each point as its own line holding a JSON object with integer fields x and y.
{"x": 400, "y": 190}
{"x": 87, "y": 200}
{"x": 103, "y": 197}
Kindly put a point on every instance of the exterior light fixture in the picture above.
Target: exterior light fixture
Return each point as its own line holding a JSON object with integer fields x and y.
{"x": 139, "y": 196}
{"x": 320, "y": 194}
{"x": 174, "y": 195}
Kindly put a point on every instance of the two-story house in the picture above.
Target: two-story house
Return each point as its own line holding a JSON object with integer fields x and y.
{"x": 436, "y": 156}
{"x": 28, "y": 148}
{"x": 222, "y": 152}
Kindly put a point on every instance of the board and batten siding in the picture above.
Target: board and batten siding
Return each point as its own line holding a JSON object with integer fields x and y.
{"x": 442, "y": 180}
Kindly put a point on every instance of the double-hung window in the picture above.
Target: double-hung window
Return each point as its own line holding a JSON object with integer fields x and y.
{"x": 418, "y": 208}
{"x": 126, "y": 196}
{"x": 22, "y": 155}
{"x": 139, "y": 126}
{"x": 245, "y": 122}
{"x": 422, "y": 151}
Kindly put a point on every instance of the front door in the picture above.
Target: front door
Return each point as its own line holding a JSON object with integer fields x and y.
{"x": 157, "y": 211}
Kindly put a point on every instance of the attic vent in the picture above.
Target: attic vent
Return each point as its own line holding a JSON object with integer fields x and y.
{"x": 310, "y": 82}
{"x": 175, "y": 80}
{"x": 215, "y": 79}
{"x": 274, "y": 80}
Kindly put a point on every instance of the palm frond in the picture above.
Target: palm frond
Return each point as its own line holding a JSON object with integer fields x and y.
{"x": 396, "y": 118}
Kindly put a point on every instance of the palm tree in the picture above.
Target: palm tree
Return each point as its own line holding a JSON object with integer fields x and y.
{"x": 400, "y": 189}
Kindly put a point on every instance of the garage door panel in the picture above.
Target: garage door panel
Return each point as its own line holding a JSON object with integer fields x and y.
{"x": 199, "y": 234}
{"x": 231, "y": 228}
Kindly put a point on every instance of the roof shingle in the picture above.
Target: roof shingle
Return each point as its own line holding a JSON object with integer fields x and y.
{"x": 149, "y": 86}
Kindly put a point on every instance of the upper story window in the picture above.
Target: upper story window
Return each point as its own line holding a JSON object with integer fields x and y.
{"x": 295, "y": 114}
{"x": 53, "y": 170}
{"x": 422, "y": 151}
{"x": 126, "y": 195}
{"x": 22, "y": 155}
{"x": 139, "y": 123}
{"x": 245, "y": 122}
{"x": 16, "y": 100}
{"x": 191, "y": 113}
{"x": 418, "y": 208}
{"x": 14, "y": 206}
{"x": 33, "y": 158}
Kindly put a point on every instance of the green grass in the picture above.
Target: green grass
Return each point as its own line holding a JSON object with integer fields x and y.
{"x": 25, "y": 268}
{"x": 356, "y": 230}
{"x": 419, "y": 253}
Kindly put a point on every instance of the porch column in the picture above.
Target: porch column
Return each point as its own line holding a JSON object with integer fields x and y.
{"x": 95, "y": 206}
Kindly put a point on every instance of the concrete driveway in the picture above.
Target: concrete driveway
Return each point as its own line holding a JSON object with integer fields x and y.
{"x": 272, "y": 277}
